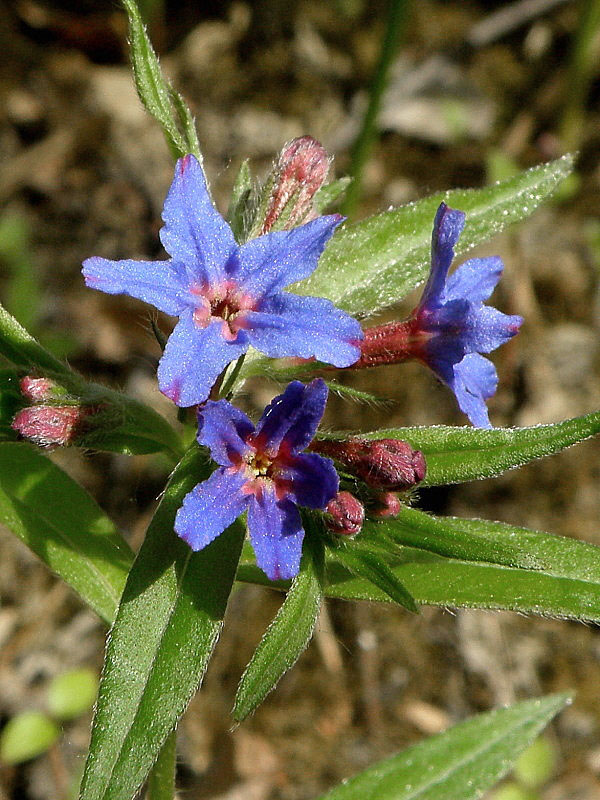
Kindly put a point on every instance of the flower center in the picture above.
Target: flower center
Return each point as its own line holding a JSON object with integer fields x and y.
{"x": 225, "y": 303}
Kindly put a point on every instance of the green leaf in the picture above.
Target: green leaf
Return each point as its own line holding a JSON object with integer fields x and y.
{"x": 26, "y": 736}
{"x": 167, "y": 625}
{"x": 72, "y": 693}
{"x": 239, "y": 214}
{"x": 438, "y": 581}
{"x": 458, "y": 454}
{"x": 286, "y": 637}
{"x": 370, "y": 566}
{"x": 153, "y": 90}
{"x": 161, "y": 781}
{"x": 22, "y": 349}
{"x": 374, "y": 263}
{"x": 462, "y": 762}
{"x": 62, "y": 524}
{"x": 328, "y": 194}
{"x": 493, "y": 542}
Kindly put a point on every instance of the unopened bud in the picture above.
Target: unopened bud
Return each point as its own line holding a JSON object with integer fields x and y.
{"x": 52, "y": 426}
{"x": 300, "y": 172}
{"x": 38, "y": 390}
{"x": 388, "y": 505}
{"x": 380, "y": 463}
{"x": 346, "y": 514}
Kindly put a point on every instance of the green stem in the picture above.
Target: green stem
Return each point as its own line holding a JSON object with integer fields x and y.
{"x": 397, "y": 13}
{"x": 581, "y": 71}
{"x": 161, "y": 782}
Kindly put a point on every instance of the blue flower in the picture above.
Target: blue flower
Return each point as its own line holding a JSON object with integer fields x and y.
{"x": 228, "y": 296}
{"x": 454, "y": 325}
{"x": 262, "y": 471}
{"x": 451, "y": 326}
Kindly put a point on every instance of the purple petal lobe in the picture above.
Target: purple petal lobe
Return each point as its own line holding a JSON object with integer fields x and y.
{"x": 314, "y": 481}
{"x": 161, "y": 283}
{"x": 224, "y": 429}
{"x": 475, "y": 380}
{"x": 485, "y": 328}
{"x": 194, "y": 358}
{"x": 307, "y": 327}
{"x": 275, "y": 260}
{"x": 211, "y": 507}
{"x": 194, "y": 231}
{"x": 276, "y": 534}
{"x": 293, "y": 416}
{"x": 476, "y": 279}
{"x": 447, "y": 227}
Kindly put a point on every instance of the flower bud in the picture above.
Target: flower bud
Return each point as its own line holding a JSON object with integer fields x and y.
{"x": 346, "y": 514}
{"x": 38, "y": 390}
{"x": 388, "y": 505}
{"x": 389, "y": 464}
{"x": 52, "y": 426}
{"x": 300, "y": 172}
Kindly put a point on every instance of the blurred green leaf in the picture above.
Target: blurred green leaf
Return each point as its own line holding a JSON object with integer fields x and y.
{"x": 368, "y": 565}
{"x": 22, "y": 290}
{"x": 154, "y": 91}
{"x": 286, "y": 637}
{"x": 62, "y": 524}
{"x": 10, "y": 402}
{"x": 72, "y": 693}
{"x": 459, "y": 454}
{"x": 18, "y": 346}
{"x": 328, "y": 194}
{"x": 167, "y": 625}
{"x": 536, "y": 765}
{"x": 462, "y": 762}
{"x": 26, "y": 736}
{"x": 372, "y": 264}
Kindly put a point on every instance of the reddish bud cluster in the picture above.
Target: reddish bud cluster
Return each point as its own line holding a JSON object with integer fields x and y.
{"x": 388, "y": 464}
{"x": 346, "y": 514}
{"x": 388, "y": 505}
{"x": 300, "y": 172}
{"x": 51, "y": 426}
{"x": 36, "y": 390}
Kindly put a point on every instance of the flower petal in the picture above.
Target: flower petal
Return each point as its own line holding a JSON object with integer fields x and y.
{"x": 224, "y": 429}
{"x": 194, "y": 358}
{"x": 313, "y": 480}
{"x": 474, "y": 381}
{"x": 211, "y": 507}
{"x": 289, "y": 325}
{"x": 194, "y": 231}
{"x": 161, "y": 283}
{"x": 270, "y": 262}
{"x": 476, "y": 279}
{"x": 292, "y": 417}
{"x": 276, "y": 534}
{"x": 486, "y": 328}
{"x": 447, "y": 227}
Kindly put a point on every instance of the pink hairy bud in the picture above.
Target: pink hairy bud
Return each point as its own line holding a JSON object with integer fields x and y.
{"x": 389, "y": 464}
{"x": 52, "y": 426}
{"x": 388, "y": 505}
{"x": 300, "y": 172}
{"x": 346, "y": 514}
{"x": 37, "y": 390}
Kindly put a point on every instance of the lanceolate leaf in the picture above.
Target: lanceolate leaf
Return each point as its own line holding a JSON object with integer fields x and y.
{"x": 455, "y": 455}
{"x": 167, "y": 625}
{"x": 154, "y": 91}
{"x": 22, "y": 349}
{"x": 372, "y": 567}
{"x": 493, "y": 542}
{"x": 372, "y": 264}
{"x": 61, "y": 523}
{"x": 462, "y": 762}
{"x": 286, "y": 637}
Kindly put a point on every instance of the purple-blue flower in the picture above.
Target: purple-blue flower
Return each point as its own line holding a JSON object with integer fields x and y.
{"x": 451, "y": 326}
{"x": 262, "y": 471}
{"x": 458, "y": 327}
{"x": 228, "y": 296}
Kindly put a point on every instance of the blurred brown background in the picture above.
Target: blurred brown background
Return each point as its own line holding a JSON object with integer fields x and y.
{"x": 83, "y": 171}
